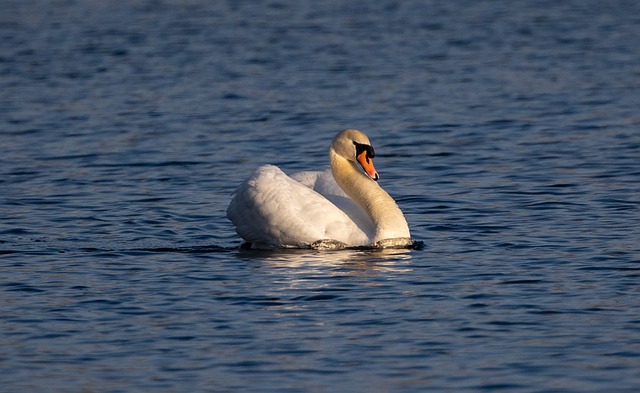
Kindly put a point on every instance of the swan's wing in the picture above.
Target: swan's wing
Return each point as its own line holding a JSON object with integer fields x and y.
{"x": 271, "y": 209}
{"x": 307, "y": 178}
{"x": 321, "y": 182}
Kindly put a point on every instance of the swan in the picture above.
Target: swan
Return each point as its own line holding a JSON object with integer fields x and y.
{"x": 332, "y": 209}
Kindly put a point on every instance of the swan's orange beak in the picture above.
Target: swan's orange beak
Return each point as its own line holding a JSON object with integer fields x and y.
{"x": 367, "y": 164}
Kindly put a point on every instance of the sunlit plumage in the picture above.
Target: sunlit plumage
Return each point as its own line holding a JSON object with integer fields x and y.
{"x": 340, "y": 207}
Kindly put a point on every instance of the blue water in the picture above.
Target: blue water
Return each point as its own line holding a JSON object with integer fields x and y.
{"x": 508, "y": 132}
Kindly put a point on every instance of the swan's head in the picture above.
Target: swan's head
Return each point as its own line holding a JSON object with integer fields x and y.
{"x": 354, "y": 145}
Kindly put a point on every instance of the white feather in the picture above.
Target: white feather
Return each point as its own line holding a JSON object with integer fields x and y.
{"x": 271, "y": 209}
{"x": 341, "y": 206}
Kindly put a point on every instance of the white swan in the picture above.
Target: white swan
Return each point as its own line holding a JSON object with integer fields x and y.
{"x": 338, "y": 208}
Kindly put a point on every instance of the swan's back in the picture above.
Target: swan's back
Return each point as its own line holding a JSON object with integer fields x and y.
{"x": 272, "y": 210}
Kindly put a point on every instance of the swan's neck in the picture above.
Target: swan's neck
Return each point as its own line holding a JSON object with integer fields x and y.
{"x": 385, "y": 214}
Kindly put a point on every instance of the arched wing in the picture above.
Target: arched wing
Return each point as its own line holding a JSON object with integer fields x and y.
{"x": 271, "y": 209}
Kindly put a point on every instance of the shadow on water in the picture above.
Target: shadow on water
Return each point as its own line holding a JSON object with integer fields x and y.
{"x": 203, "y": 249}
{"x": 417, "y": 245}
{"x": 187, "y": 250}
{"x": 355, "y": 258}
{"x": 292, "y": 257}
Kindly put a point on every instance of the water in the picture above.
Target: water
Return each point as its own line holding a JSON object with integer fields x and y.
{"x": 507, "y": 131}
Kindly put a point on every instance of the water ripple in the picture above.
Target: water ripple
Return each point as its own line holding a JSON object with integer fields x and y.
{"x": 507, "y": 134}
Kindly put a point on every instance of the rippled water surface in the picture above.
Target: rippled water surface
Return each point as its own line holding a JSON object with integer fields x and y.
{"x": 508, "y": 132}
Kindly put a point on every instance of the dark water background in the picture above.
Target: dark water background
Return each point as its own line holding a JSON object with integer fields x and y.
{"x": 509, "y": 133}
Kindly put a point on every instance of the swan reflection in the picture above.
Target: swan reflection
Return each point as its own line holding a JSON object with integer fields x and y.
{"x": 360, "y": 262}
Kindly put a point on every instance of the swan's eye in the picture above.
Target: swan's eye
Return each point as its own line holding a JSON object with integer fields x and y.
{"x": 360, "y": 147}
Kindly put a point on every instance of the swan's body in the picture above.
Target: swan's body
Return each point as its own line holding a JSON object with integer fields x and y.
{"x": 343, "y": 207}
